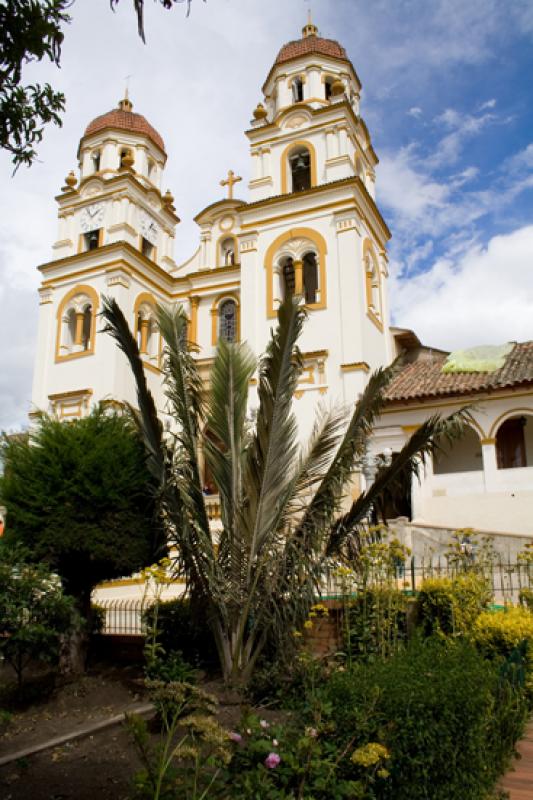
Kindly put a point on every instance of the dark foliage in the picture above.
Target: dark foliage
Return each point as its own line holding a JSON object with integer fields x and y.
{"x": 80, "y": 498}
{"x": 448, "y": 717}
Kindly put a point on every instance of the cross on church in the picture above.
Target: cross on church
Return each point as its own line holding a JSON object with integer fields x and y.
{"x": 229, "y": 182}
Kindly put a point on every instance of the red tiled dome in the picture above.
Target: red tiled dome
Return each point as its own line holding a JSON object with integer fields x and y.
{"x": 123, "y": 120}
{"x": 311, "y": 44}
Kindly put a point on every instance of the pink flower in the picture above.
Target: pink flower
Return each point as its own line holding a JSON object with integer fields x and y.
{"x": 264, "y": 724}
{"x": 272, "y": 760}
{"x": 235, "y": 737}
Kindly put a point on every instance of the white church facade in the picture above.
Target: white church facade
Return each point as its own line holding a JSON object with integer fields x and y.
{"x": 310, "y": 226}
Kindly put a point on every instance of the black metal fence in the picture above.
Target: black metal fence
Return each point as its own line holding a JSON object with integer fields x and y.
{"x": 508, "y": 579}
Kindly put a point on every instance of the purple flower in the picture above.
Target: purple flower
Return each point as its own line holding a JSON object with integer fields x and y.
{"x": 272, "y": 760}
{"x": 235, "y": 737}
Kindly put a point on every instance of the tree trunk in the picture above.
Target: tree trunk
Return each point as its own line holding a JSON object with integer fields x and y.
{"x": 75, "y": 642}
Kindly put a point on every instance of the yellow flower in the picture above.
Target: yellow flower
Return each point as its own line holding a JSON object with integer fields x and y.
{"x": 308, "y": 624}
{"x": 370, "y": 754}
{"x": 297, "y": 634}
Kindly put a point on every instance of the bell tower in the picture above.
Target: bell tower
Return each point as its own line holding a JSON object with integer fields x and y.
{"x": 312, "y": 227}
{"x": 115, "y": 238}
{"x": 310, "y": 117}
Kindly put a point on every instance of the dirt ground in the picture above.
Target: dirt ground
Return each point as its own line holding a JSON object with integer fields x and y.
{"x": 98, "y": 767}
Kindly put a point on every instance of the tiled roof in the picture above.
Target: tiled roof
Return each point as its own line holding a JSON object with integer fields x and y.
{"x": 424, "y": 378}
{"x": 125, "y": 121}
{"x": 311, "y": 44}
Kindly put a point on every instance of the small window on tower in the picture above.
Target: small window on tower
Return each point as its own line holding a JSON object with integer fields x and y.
{"x": 300, "y": 164}
{"x": 95, "y": 158}
{"x": 297, "y": 90}
{"x": 151, "y": 169}
{"x": 147, "y": 248}
{"x": 92, "y": 239}
{"x": 328, "y": 83}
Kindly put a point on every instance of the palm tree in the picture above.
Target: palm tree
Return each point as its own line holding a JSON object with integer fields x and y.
{"x": 283, "y": 525}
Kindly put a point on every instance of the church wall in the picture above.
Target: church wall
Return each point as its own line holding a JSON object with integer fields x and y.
{"x": 490, "y": 498}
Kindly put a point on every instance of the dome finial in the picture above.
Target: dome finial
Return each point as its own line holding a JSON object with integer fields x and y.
{"x": 125, "y": 104}
{"x": 309, "y": 29}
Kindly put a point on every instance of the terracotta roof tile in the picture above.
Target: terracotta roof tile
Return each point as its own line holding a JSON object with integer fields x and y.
{"x": 424, "y": 378}
{"x": 311, "y": 44}
{"x": 125, "y": 121}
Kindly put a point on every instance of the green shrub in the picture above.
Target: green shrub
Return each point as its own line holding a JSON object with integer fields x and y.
{"x": 376, "y": 623}
{"x": 450, "y": 606}
{"x": 443, "y": 712}
{"x": 497, "y": 634}
{"x": 178, "y": 630}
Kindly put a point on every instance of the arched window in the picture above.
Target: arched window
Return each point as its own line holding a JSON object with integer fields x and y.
{"x": 310, "y": 277}
{"x": 328, "y": 83}
{"x": 462, "y": 455}
{"x": 227, "y": 321}
{"x": 227, "y": 256}
{"x": 151, "y": 169}
{"x": 95, "y": 158}
{"x": 300, "y": 168}
{"x": 514, "y": 443}
{"x": 297, "y": 90}
{"x": 146, "y": 330}
{"x": 77, "y": 323}
{"x": 372, "y": 283}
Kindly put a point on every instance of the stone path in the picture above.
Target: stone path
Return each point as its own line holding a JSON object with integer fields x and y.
{"x": 82, "y": 730}
{"x": 519, "y": 780}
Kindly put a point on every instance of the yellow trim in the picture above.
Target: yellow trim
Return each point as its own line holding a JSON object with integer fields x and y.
{"x": 193, "y": 322}
{"x": 356, "y": 366}
{"x": 399, "y": 406}
{"x": 511, "y": 412}
{"x": 489, "y": 440}
{"x": 93, "y": 297}
{"x": 215, "y": 315}
{"x": 410, "y": 429}
{"x": 296, "y": 233}
{"x": 224, "y": 238}
{"x": 285, "y": 163}
{"x": 67, "y": 395}
{"x": 300, "y": 214}
{"x": 375, "y": 321}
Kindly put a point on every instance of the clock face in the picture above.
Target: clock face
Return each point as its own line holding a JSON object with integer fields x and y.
{"x": 149, "y": 229}
{"x": 92, "y": 217}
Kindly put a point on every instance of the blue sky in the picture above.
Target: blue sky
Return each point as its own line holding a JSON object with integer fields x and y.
{"x": 447, "y": 96}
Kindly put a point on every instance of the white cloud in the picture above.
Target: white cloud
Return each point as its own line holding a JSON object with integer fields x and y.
{"x": 485, "y": 296}
{"x": 415, "y": 111}
{"x": 488, "y": 104}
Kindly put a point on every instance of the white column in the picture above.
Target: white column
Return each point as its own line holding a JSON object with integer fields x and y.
{"x": 490, "y": 464}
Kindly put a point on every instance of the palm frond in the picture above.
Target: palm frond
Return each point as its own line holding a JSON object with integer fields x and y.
{"x": 224, "y": 438}
{"x": 183, "y": 388}
{"x": 326, "y": 502}
{"x": 147, "y": 420}
{"x": 270, "y": 457}
{"x": 424, "y": 442}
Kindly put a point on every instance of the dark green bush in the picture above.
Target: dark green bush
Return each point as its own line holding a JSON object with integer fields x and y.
{"x": 376, "y": 624}
{"x": 179, "y": 630}
{"x": 448, "y": 717}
